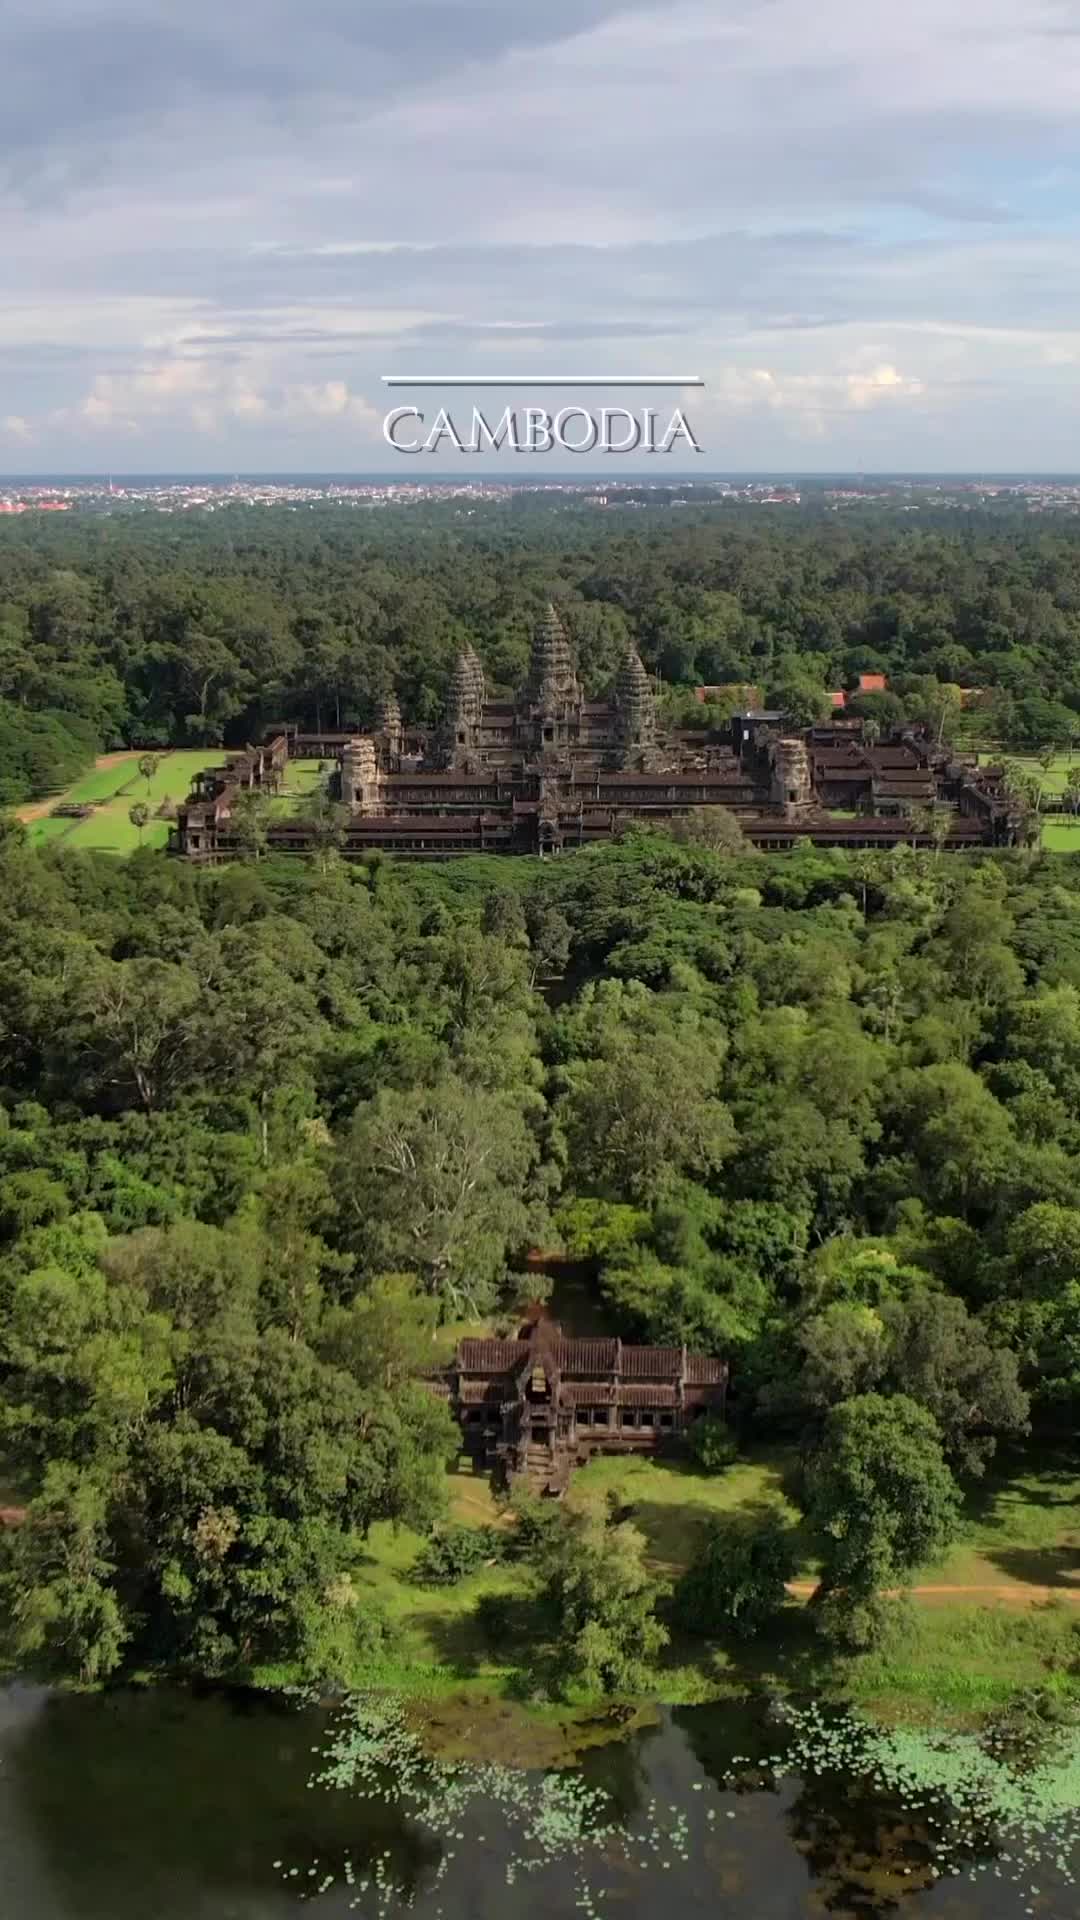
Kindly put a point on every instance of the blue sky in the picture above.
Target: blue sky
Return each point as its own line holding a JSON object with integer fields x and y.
{"x": 220, "y": 223}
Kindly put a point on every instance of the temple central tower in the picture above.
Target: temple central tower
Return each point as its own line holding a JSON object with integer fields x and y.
{"x": 553, "y": 695}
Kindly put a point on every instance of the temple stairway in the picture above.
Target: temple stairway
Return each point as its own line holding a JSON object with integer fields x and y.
{"x": 543, "y": 1472}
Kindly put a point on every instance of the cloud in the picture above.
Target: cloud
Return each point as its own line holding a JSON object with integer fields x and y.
{"x": 220, "y": 220}
{"x": 805, "y": 401}
{"x": 187, "y": 393}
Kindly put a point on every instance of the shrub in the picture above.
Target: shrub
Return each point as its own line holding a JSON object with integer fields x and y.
{"x": 711, "y": 1444}
{"x": 452, "y": 1553}
{"x": 536, "y": 1524}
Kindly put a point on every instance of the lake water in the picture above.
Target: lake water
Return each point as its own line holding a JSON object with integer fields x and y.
{"x": 171, "y": 1806}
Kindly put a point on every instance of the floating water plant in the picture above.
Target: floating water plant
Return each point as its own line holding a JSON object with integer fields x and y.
{"x": 969, "y": 1804}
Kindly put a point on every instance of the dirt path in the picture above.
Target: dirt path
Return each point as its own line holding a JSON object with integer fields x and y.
{"x": 1017, "y": 1595}
{"x": 37, "y": 809}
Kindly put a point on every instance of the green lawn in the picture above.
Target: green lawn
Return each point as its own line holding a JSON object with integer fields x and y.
{"x": 1021, "y": 1528}
{"x": 41, "y": 831}
{"x": 669, "y": 1500}
{"x": 115, "y": 790}
{"x": 174, "y": 774}
{"x": 1061, "y": 834}
{"x": 963, "y": 1661}
{"x": 440, "y": 1646}
{"x": 302, "y": 779}
{"x": 959, "y": 1652}
{"x": 1052, "y": 778}
{"x": 108, "y": 830}
{"x": 101, "y": 783}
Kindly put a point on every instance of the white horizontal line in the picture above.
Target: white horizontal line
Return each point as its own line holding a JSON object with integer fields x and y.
{"x": 542, "y": 380}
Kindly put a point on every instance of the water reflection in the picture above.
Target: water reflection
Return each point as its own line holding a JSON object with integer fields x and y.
{"x": 169, "y": 1806}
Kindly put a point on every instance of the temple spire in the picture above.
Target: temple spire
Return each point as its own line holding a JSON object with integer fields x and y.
{"x": 478, "y": 682}
{"x": 552, "y": 680}
{"x": 635, "y": 701}
{"x": 464, "y": 699}
{"x": 388, "y": 721}
{"x": 457, "y": 737}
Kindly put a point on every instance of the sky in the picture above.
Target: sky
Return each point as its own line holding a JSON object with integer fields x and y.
{"x": 221, "y": 221}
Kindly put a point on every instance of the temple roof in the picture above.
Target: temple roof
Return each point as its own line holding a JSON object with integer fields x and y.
{"x": 491, "y": 1356}
{"x": 589, "y": 1357}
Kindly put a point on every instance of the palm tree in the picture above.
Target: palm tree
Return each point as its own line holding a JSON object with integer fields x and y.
{"x": 922, "y": 823}
{"x": 139, "y": 814}
{"x": 941, "y": 828}
{"x": 148, "y": 766}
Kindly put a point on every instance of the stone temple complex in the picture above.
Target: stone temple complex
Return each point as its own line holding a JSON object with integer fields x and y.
{"x": 551, "y": 769}
{"x": 538, "y": 1406}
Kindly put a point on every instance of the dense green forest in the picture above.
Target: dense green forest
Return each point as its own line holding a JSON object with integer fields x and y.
{"x": 268, "y": 1136}
{"x": 128, "y": 629}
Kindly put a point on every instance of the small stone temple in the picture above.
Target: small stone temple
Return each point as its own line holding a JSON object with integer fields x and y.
{"x": 540, "y": 1405}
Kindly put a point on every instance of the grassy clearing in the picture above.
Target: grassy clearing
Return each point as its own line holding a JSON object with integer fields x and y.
{"x": 101, "y": 783}
{"x": 174, "y": 775}
{"x": 441, "y": 1648}
{"x": 42, "y": 831}
{"x": 1061, "y": 834}
{"x": 965, "y": 1660}
{"x": 109, "y": 830}
{"x": 1021, "y": 1528}
{"x": 1052, "y": 779}
{"x": 958, "y": 1653}
{"x": 669, "y": 1500}
{"x": 302, "y": 779}
{"x": 113, "y": 790}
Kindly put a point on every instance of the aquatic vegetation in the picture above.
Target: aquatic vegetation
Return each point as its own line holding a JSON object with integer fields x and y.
{"x": 984, "y": 1810}
{"x": 373, "y": 1751}
{"x": 957, "y": 1803}
{"x": 550, "y": 1818}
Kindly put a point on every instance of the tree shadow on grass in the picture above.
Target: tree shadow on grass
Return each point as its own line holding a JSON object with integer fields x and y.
{"x": 1009, "y": 1475}
{"x": 455, "y": 1639}
{"x": 674, "y": 1533}
{"x": 467, "y": 1642}
{"x": 1056, "y": 1567}
{"x": 787, "y": 1657}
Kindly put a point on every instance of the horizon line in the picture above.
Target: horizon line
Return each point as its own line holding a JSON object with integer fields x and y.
{"x": 541, "y": 380}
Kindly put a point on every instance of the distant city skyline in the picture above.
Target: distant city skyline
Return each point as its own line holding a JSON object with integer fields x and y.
{"x": 220, "y": 226}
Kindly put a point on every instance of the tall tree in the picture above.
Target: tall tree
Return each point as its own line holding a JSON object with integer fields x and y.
{"x": 881, "y": 1502}
{"x": 437, "y": 1181}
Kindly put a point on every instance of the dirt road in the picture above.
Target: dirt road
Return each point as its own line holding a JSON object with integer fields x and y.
{"x": 37, "y": 809}
{"x": 1014, "y": 1594}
